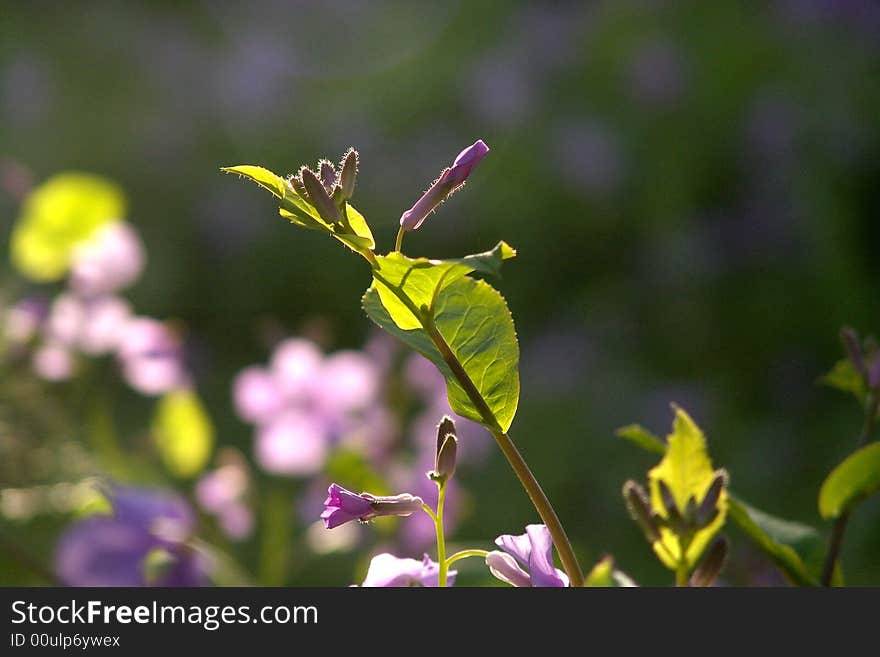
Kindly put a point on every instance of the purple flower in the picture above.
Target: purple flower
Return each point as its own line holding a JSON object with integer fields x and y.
{"x": 386, "y": 570}
{"x": 53, "y": 362}
{"x": 116, "y": 550}
{"x": 257, "y": 396}
{"x": 294, "y": 443}
{"x": 450, "y": 179}
{"x": 532, "y": 551}
{"x": 24, "y": 319}
{"x": 151, "y": 357}
{"x": 342, "y": 506}
{"x": 294, "y": 365}
{"x": 110, "y": 261}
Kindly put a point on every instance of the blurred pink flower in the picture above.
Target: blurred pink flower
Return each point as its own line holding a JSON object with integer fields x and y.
{"x": 113, "y": 259}
{"x": 53, "y": 361}
{"x": 104, "y": 324}
{"x": 151, "y": 357}
{"x": 294, "y": 364}
{"x": 257, "y": 395}
{"x": 23, "y": 319}
{"x": 294, "y": 443}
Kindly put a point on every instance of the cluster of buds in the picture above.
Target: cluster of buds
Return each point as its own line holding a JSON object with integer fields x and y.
{"x": 864, "y": 355}
{"x": 682, "y": 522}
{"x": 328, "y": 189}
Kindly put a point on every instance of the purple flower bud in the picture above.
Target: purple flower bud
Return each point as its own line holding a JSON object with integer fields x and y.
{"x": 450, "y": 179}
{"x": 386, "y": 570}
{"x": 348, "y": 173}
{"x": 527, "y": 559}
{"x": 328, "y": 175}
{"x": 343, "y": 506}
{"x": 318, "y": 196}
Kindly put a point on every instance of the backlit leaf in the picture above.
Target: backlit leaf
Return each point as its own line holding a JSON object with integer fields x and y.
{"x": 857, "y": 477}
{"x": 183, "y": 433}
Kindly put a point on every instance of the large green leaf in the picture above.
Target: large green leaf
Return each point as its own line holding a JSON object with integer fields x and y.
{"x": 356, "y": 236}
{"x": 406, "y": 285}
{"x": 474, "y": 321}
{"x": 851, "y": 482}
{"x": 687, "y": 470}
{"x": 790, "y": 545}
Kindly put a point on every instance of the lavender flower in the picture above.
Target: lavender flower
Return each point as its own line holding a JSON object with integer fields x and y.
{"x": 111, "y": 260}
{"x": 532, "y": 551}
{"x": 293, "y": 443}
{"x": 450, "y": 179}
{"x": 53, "y": 362}
{"x": 23, "y": 320}
{"x": 257, "y": 395}
{"x": 151, "y": 357}
{"x": 343, "y": 506}
{"x": 386, "y": 570}
{"x": 115, "y": 550}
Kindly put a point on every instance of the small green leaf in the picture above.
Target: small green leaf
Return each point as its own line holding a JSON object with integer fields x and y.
{"x": 846, "y": 378}
{"x": 636, "y": 433}
{"x": 851, "y": 482}
{"x": 601, "y": 573}
{"x": 263, "y": 177}
{"x": 183, "y": 433}
{"x": 63, "y": 212}
{"x": 356, "y": 236}
{"x": 688, "y": 473}
{"x": 474, "y": 320}
{"x": 787, "y": 543}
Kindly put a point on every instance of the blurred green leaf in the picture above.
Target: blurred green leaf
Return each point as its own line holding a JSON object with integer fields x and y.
{"x": 636, "y": 433}
{"x": 183, "y": 433}
{"x": 788, "y": 544}
{"x": 600, "y": 574}
{"x": 857, "y": 477}
{"x": 474, "y": 320}
{"x": 687, "y": 471}
{"x": 846, "y": 378}
{"x": 58, "y": 215}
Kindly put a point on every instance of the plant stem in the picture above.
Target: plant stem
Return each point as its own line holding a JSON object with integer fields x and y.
{"x": 517, "y": 462}
{"x": 399, "y": 241}
{"x": 441, "y": 538}
{"x": 464, "y": 554}
{"x": 835, "y": 542}
{"x": 681, "y": 574}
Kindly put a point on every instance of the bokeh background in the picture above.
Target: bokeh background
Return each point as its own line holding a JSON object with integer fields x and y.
{"x": 692, "y": 188}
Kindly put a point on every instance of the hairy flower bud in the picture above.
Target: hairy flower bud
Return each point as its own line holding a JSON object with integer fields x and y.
{"x": 348, "y": 173}
{"x": 639, "y": 508}
{"x": 318, "y": 196}
{"x": 708, "y": 509}
{"x": 711, "y": 565}
{"x": 328, "y": 175}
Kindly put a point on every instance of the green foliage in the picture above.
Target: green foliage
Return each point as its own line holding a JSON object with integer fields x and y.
{"x": 183, "y": 433}
{"x": 474, "y": 321}
{"x": 352, "y": 230}
{"x": 636, "y": 433}
{"x": 58, "y": 215}
{"x": 857, "y": 477}
{"x": 604, "y": 574}
{"x": 790, "y": 545}
{"x": 846, "y": 378}
{"x": 687, "y": 472}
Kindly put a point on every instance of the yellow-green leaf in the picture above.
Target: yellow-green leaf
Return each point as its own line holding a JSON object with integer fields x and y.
{"x": 845, "y": 378}
{"x": 183, "y": 433}
{"x": 601, "y": 573}
{"x": 63, "y": 212}
{"x": 851, "y": 482}
{"x": 263, "y": 177}
{"x": 687, "y": 471}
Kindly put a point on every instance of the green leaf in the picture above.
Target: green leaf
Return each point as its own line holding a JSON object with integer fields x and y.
{"x": 63, "y": 212}
{"x": 601, "y": 573}
{"x": 687, "y": 471}
{"x": 636, "y": 433}
{"x": 356, "y": 235}
{"x": 846, "y": 378}
{"x": 790, "y": 545}
{"x": 183, "y": 433}
{"x": 420, "y": 279}
{"x": 263, "y": 177}
{"x": 851, "y": 482}
{"x": 473, "y": 319}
